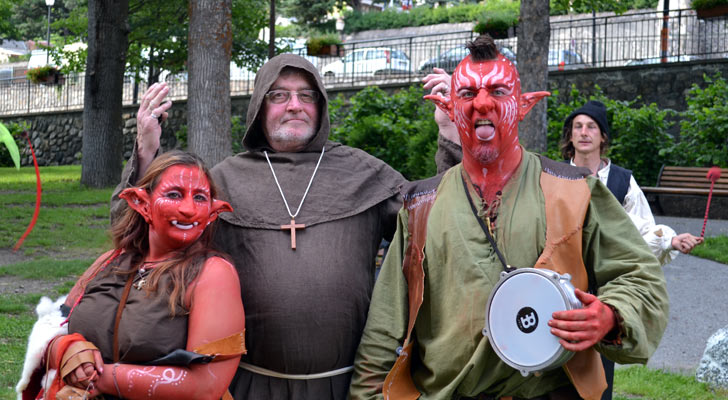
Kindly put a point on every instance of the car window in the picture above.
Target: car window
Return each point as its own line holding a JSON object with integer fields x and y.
{"x": 399, "y": 55}
{"x": 375, "y": 54}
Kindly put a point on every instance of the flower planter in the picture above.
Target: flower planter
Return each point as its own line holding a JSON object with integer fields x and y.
{"x": 712, "y": 12}
{"x": 327, "y": 50}
{"x": 501, "y": 34}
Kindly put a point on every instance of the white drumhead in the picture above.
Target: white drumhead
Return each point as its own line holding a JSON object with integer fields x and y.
{"x": 518, "y": 319}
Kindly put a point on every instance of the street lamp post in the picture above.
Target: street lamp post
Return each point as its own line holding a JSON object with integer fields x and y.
{"x": 49, "y": 3}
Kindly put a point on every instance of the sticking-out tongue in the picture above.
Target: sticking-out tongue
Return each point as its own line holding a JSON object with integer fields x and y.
{"x": 485, "y": 132}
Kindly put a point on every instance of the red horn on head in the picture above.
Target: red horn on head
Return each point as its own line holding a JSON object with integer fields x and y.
{"x": 713, "y": 174}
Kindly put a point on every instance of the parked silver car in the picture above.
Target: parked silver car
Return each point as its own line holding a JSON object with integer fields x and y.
{"x": 373, "y": 61}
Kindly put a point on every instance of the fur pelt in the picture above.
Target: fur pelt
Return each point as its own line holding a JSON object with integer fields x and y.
{"x": 45, "y": 329}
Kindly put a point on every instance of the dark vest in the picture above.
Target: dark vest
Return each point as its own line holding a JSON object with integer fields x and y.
{"x": 618, "y": 182}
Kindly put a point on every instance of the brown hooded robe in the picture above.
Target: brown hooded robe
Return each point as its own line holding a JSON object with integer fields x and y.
{"x": 305, "y": 309}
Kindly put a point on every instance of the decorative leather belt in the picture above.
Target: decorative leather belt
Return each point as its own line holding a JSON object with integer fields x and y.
{"x": 267, "y": 372}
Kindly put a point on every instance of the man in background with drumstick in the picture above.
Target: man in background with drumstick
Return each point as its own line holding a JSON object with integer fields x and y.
{"x": 504, "y": 208}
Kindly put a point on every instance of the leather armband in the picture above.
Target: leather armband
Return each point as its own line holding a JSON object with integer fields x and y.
{"x": 77, "y": 353}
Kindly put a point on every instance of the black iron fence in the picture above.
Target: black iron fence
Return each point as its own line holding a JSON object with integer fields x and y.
{"x": 586, "y": 42}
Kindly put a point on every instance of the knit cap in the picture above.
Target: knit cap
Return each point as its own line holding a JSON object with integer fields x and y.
{"x": 594, "y": 109}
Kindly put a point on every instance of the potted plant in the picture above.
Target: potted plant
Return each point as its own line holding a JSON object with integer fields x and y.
{"x": 327, "y": 44}
{"x": 710, "y": 8}
{"x": 47, "y": 74}
{"x": 499, "y": 24}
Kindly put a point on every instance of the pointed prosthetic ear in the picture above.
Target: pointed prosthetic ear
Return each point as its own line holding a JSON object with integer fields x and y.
{"x": 218, "y": 207}
{"x": 528, "y": 100}
{"x": 443, "y": 103}
{"x": 138, "y": 200}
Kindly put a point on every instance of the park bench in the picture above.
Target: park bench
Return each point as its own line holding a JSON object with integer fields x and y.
{"x": 685, "y": 182}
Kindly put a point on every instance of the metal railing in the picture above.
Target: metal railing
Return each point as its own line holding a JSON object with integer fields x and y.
{"x": 593, "y": 42}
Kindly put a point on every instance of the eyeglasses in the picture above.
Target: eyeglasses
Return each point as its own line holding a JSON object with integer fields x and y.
{"x": 307, "y": 96}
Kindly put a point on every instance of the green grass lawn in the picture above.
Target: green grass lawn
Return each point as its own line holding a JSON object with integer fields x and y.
{"x": 715, "y": 248}
{"x": 72, "y": 231}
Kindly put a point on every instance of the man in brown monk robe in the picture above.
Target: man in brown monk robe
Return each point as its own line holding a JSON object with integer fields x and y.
{"x": 309, "y": 217}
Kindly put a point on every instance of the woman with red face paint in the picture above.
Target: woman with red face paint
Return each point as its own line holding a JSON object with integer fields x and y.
{"x": 161, "y": 315}
{"x": 584, "y": 142}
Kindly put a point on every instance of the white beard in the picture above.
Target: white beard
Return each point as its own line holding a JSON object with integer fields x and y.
{"x": 44, "y": 330}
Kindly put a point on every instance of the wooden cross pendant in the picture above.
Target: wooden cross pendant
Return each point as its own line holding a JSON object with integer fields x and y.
{"x": 293, "y": 226}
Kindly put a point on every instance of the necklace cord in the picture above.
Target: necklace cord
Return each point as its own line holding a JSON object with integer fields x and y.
{"x": 307, "y": 187}
{"x": 502, "y": 259}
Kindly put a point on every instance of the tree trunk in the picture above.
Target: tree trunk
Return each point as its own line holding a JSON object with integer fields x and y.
{"x": 102, "y": 138}
{"x": 533, "y": 47}
{"x": 208, "y": 60}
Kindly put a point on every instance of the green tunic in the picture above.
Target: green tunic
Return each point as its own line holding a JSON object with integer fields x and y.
{"x": 451, "y": 354}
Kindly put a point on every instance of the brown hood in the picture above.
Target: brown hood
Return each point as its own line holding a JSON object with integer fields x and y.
{"x": 254, "y": 140}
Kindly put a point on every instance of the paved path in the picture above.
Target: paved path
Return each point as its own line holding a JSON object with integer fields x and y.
{"x": 698, "y": 291}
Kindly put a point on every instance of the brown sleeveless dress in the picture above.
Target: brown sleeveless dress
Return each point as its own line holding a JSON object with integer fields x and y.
{"x": 147, "y": 331}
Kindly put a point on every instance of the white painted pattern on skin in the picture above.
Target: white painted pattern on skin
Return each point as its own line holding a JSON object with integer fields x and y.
{"x": 167, "y": 377}
{"x": 466, "y": 77}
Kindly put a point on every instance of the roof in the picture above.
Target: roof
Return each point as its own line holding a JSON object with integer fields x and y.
{"x": 15, "y": 46}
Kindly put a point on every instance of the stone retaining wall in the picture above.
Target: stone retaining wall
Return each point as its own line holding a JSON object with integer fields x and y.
{"x": 57, "y": 137}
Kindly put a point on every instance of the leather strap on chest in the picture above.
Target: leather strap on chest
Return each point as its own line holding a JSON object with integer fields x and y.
{"x": 566, "y": 204}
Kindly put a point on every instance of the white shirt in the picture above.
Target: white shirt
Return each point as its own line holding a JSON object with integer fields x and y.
{"x": 658, "y": 237}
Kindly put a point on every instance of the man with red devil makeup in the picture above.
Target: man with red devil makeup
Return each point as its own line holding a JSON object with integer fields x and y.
{"x": 504, "y": 208}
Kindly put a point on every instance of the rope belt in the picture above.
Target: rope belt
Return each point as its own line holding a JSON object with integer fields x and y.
{"x": 267, "y": 372}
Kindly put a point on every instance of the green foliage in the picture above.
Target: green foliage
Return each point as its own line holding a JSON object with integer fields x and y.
{"x": 420, "y": 16}
{"x": 10, "y": 148}
{"x": 399, "y": 129}
{"x": 704, "y": 126}
{"x": 237, "y": 130}
{"x": 39, "y": 74}
{"x": 316, "y": 42}
{"x": 159, "y": 32}
{"x": 307, "y": 11}
{"x": 703, "y": 4}
{"x": 497, "y": 20}
{"x": 645, "y": 383}
{"x": 638, "y": 132}
{"x": 563, "y": 7}
{"x": 23, "y": 20}
{"x": 714, "y": 248}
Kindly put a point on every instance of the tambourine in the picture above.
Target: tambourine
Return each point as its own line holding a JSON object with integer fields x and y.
{"x": 517, "y": 315}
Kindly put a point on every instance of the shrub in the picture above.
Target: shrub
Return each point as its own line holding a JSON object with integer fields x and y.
{"x": 703, "y": 4}
{"x": 39, "y": 74}
{"x": 420, "y": 16}
{"x": 315, "y": 43}
{"x": 639, "y": 133}
{"x": 496, "y": 21}
{"x": 398, "y": 129}
{"x": 704, "y": 126}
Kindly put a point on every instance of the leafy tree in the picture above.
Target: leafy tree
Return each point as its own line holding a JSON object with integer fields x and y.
{"x": 22, "y": 20}
{"x": 158, "y": 32}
